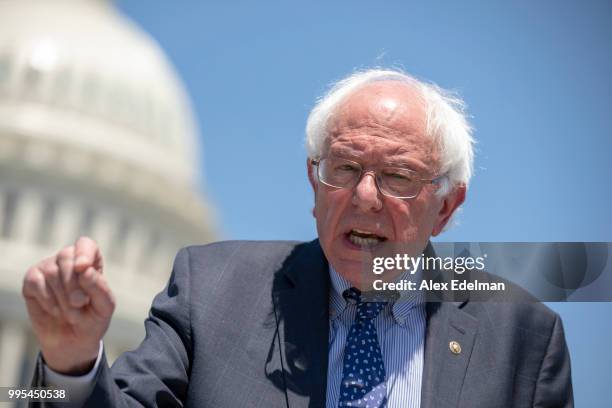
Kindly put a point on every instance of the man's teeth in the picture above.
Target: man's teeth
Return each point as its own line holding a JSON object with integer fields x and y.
{"x": 364, "y": 238}
{"x": 363, "y": 241}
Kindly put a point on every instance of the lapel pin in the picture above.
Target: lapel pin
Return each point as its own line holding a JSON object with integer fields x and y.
{"x": 455, "y": 347}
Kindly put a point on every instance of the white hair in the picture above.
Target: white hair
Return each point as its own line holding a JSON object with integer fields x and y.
{"x": 447, "y": 122}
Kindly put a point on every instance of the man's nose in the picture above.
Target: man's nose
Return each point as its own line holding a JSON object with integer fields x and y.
{"x": 366, "y": 195}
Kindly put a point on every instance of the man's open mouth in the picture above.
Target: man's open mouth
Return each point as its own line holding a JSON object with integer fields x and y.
{"x": 364, "y": 238}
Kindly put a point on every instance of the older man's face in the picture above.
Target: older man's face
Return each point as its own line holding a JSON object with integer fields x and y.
{"x": 381, "y": 124}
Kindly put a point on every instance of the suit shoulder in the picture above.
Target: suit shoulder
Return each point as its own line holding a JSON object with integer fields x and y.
{"x": 240, "y": 248}
{"x": 516, "y": 306}
{"x": 226, "y": 270}
{"x": 250, "y": 257}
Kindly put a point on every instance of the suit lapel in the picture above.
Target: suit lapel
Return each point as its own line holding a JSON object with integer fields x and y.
{"x": 444, "y": 370}
{"x": 301, "y": 300}
{"x": 445, "y": 366}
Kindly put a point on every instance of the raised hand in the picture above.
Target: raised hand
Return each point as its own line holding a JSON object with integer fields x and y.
{"x": 70, "y": 306}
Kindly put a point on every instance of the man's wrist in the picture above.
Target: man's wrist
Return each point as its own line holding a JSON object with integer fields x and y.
{"x": 77, "y": 387}
{"x": 64, "y": 362}
{"x": 87, "y": 375}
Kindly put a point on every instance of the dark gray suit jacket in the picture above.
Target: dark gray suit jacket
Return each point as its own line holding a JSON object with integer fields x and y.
{"x": 245, "y": 324}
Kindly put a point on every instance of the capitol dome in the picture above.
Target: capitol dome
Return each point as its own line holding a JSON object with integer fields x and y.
{"x": 97, "y": 138}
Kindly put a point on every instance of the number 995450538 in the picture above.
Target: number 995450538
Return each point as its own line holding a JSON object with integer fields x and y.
{"x": 33, "y": 394}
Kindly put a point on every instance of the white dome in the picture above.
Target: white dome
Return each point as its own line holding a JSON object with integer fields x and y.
{"x": 91, "y": 65}
{"x": 96, "y": 138}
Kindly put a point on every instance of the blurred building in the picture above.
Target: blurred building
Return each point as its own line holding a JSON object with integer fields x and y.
{"x": 96, "y": 138}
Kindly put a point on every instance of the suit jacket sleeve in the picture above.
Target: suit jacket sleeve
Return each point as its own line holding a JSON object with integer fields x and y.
{"x": 156, "y": 374}
{"x": 554, "y": 385}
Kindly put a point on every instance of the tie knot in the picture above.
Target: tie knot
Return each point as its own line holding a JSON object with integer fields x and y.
{"x": 369, "y": 310}
{"x": 365, "y": 310}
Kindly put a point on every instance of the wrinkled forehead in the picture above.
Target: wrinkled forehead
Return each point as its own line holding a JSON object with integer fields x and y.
{"x": 382, "y": 122}
{"x": 395, "y": 105}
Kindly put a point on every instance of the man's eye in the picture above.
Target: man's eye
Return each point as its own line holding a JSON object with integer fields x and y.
{"x": 346, "y": 167}
{"x": 398, "y": 177}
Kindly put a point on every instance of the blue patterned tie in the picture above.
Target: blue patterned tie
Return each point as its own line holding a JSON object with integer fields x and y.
{"x": 363, "y": 369}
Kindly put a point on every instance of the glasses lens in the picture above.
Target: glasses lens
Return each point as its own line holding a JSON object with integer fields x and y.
{"x": 399, "y": 182}
{"x": 394, "y": 182}
{"x": 338, "y": 172}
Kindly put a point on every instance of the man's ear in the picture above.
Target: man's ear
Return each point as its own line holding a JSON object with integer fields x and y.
{"x": 450, "y": 203}
{"x": 311, "y": 176}
{"x": 313, "y": 182}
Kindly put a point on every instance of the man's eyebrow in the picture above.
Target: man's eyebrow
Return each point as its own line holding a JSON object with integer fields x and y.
{"x": 393, "y": 161}
{"x": 404, "y": 164}
{"x": 407, "y": 163}
{"x": 343, "y": 153}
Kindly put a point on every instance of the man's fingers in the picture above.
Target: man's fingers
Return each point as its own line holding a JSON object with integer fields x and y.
{"x": 87, "y": 253}
{"x": 78, "y": 298}
{"x": 95, "y": 286}
{"x": 65, "y": 262}
{"x": 38, "y": 313}
{"x": 50, "y": 271}
{"x": 58, "y": 272}
{"x": 68, "y": 283}
{"x": 75, "y": 297}
{"x": 35, "y": 289}
{"x": 54, "y": 286}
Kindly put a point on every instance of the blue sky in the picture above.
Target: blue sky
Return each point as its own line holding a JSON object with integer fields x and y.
{"x": 535, "y": 76}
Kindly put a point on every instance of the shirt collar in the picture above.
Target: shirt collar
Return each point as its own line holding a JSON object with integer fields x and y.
{"x": 337, "y": 303}
{"x": 399, "y": 308}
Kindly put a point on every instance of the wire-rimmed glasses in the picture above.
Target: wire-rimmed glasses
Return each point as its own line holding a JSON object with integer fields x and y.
{"x": 397, "y": 182}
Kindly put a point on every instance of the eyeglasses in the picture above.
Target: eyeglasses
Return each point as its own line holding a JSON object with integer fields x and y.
{"x": 394, "y": 182}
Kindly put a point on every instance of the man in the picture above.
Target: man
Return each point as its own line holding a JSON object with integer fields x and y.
{"x": 284, "y": 324}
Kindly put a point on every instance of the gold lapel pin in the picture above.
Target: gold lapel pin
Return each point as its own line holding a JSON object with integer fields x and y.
{"x": 454, "y": 347}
